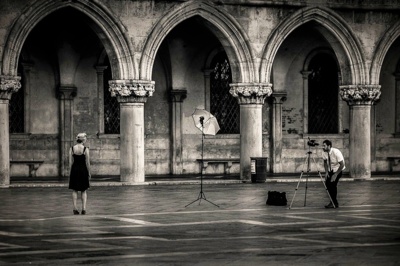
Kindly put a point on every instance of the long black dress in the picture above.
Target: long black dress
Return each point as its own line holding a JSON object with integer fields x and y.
{"x": 79, "y": 177}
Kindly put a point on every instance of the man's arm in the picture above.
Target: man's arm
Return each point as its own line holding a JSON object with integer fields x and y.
{"x": 341, "y": 163}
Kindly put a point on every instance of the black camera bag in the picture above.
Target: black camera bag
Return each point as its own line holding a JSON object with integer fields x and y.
{"x": 276, "y": 198}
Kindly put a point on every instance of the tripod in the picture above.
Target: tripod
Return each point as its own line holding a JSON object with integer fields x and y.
{"x": 202, "y": 196}
{"x": 308, "y": 162}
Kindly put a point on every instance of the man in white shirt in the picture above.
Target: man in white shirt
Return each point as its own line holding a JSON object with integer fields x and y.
{"x": 334, "y": 165}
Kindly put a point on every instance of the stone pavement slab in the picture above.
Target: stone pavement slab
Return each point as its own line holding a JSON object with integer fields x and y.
{"x": 150, "y": 225}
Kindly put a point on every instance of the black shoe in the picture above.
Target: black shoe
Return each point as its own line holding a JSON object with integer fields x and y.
{"x": 329, "y": 206}
{"x": 83, "y": 212}
{"x": 76, "y": 212}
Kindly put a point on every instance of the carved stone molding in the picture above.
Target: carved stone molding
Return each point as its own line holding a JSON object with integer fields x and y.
{"x": 279, "y": 97}
{"x": 9, "y": 85}
{"x": 128, "y": 88}
{"x": 251, "y": 93}
{"x": 360, "y": 94}
{"x": 178, "y": 95}
{"x": 66, "y": 92}
{"x": 131, "y": 99}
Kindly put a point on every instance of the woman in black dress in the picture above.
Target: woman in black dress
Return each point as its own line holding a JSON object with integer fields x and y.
{"x": 79, "y": 179}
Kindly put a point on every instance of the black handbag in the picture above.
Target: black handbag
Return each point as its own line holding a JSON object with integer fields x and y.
{"x": 276, "y": 198}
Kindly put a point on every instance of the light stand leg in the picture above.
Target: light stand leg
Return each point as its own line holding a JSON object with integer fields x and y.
{"x": 295, "y": 191}
{"x": 326, "y": 189}
{"x": 201, "y": 193}
{"x": 298, "y": 183}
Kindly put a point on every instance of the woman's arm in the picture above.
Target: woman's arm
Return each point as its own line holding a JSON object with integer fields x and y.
{"x": 87, "y": 159}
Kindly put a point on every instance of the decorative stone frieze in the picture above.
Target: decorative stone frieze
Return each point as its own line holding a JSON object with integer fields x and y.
{"x": 360, "y": 94}
{"x": 251, "y": 93}
{"x": 127, "y": 88}
{"x": 8, "y": 86}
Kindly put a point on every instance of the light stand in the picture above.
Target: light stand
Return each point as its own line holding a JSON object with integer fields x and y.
{"x": 202, "y": 196}
{"x": 308, "y": 162}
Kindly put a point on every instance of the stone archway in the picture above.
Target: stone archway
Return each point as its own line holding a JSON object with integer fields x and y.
{"x": 333, "y": 27}
{"x": 386, "y": 42}
{"x": 223, "y": 25}
{"x": 113, "y": 35}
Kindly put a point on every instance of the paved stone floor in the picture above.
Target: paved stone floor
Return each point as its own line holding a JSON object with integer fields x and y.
{"x": 150, "y": 225}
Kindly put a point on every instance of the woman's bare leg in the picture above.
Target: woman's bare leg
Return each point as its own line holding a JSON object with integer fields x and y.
{"x": 84, "y": 199}
{"x": 74, "y": 198}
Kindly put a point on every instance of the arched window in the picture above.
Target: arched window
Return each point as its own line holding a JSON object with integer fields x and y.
{"x": 323, "y": 91}
{"x": 16, "y": 109}
{"x": 111, "y": 106}
{"x": 222, "y": 105}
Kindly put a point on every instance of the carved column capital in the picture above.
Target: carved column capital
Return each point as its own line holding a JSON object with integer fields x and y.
{"x": 100, "y": 69}
{"x": 178, "y": 95}
{"x": 9, "y": 85}
{"x": 66, "y": 92}
{"x": 360, "y": 94}
{"x": 130, "y": 87}
{"x": 251, "y": 93}
{"x": 305, "y": 74}
{"x": 279, "y": 97}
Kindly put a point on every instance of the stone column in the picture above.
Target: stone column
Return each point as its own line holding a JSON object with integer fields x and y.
{"x": 27, "y": 68}
{"x": 132, "y": 95}
{"x": 251, "y": 97}
{"x": 207, "y": 86}
{"x": 66, "y": 95}
{"x": 8, "y": 85}
{"x": 360, "y": 99}
{"x": 100, "y": 96}
{"x": 177, "y": 97}
{"x": 278, "y": 98}
{"x": 305, "y": 100}
{"x": 397, "y": 107}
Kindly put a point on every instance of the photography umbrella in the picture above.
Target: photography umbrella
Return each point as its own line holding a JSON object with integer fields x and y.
{"x": 206, "y": 122}
{"x": 208, "y": 125}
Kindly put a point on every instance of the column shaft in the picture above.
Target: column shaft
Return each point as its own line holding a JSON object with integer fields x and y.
{"x": 360, "y": 142}
{"x": 177, "y": 97}
{"x": 132, "y": 142}
{"x": 4, "y": 144}
{"x": 66, "y": 95}
{"x": 276, "y": 152}
{"x": 250, "y": 137}
{"x": 397, "y": 106}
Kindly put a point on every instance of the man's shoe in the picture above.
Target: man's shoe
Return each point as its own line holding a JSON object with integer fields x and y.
{"x": 83, "y": 212}
{"x": 76, "y": 212}
{"x": 329, "y": 206}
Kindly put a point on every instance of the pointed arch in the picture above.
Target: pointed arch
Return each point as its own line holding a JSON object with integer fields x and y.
{"x": 383, "y": 47}
{"x": 224, "y": 26}
{"x": 109, "y": 31}
{"x": 335, "y": 29}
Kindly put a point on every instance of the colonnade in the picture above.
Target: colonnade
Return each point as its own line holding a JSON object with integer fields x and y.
{"x": 133, "y": 94}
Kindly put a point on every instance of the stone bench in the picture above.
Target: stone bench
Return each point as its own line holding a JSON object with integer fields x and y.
{"x": 32, "y": 164}
{"x": 227, "y": 163}
{"x": 394, "y": 162}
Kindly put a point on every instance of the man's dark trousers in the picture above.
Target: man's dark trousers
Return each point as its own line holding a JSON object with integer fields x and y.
{"x": 332, "y": 188}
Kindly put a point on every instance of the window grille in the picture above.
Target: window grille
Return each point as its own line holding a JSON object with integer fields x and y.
{"x": 111, "y": 107}
{"x": 16, "y": 111}
{"x": 323, "y": 97}
{"x": 222, "y": 104}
